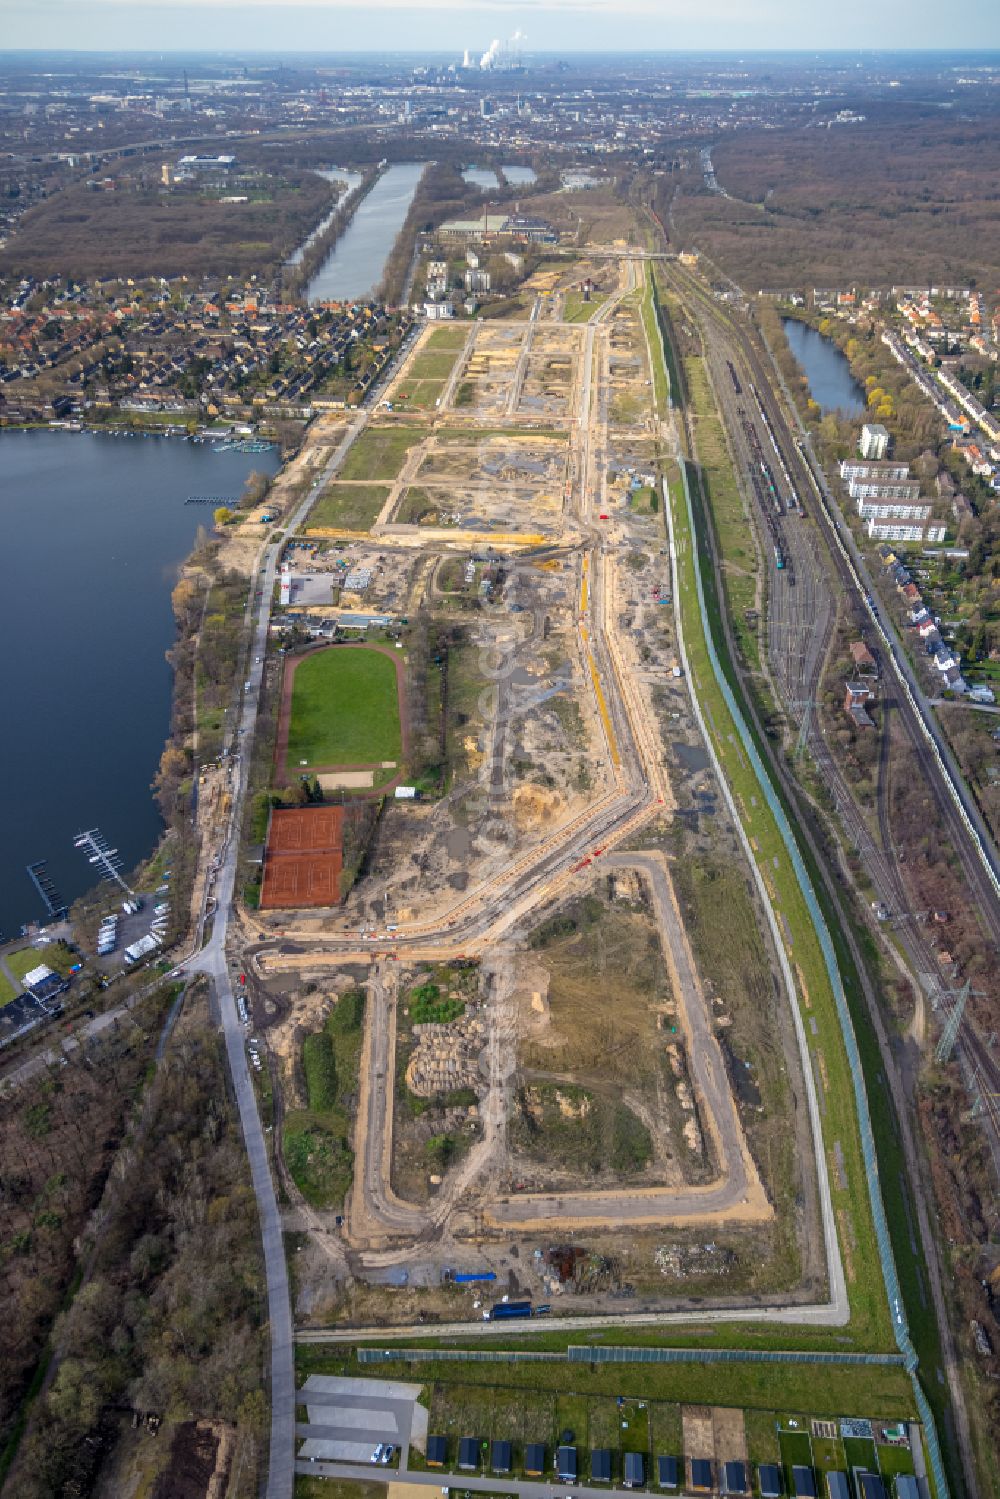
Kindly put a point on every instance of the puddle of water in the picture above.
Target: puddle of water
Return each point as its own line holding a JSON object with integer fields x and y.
{"x": 692, "y": 756}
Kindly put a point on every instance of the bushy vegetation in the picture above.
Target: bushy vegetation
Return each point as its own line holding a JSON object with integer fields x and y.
{"x": 572, "y": 1127}
{"x": 316, "y": 1144}
{"x": 429, "y": 1007}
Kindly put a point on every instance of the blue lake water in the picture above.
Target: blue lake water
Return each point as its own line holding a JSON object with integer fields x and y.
{"x": 831, "y": 384}
{"x": 517, "y": 175}
{"x": 483, "y": 177}
{"x": 94, "y": 529}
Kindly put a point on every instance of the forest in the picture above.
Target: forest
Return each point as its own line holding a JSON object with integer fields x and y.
{"x": 141, "y": 228}
{"x": 901, "y": 198}
{"x": 169, "y": 1312}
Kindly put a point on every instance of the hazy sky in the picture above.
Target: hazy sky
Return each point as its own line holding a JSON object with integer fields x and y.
{"x": 550, "y": 25}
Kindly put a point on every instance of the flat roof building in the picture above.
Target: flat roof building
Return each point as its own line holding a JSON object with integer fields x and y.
{"x": 874, "y": 442}
{"x": 600, "y": 1465}
{"x": 534, "y": 1459}
{"x": 667, "y": 1472}
{"x": 500, "y": 1456}
{"x": 872, "y": 1486}
{"x": 468, "y": 1454}
{"x": 702, "y": 1477}
{"x": 769, "y": 1480}
{"x": 635, "y": 1470}
{"x": 734, "y": 1478}
{"x": 566, "y": 1464}
{"x": 804, "y": 1483}
{"x": 838, "y": 1486}
{"x": 437, "y": 1451}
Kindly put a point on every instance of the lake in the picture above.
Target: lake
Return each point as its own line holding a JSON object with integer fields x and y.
{"x": 355, "y": 264}
{"x": 351, "y": 180}
{"x": 483, "y": 177}
{"x": 517, "y": 176}
{"x": 831, "y": 384}
{"x": 94, "y": 529}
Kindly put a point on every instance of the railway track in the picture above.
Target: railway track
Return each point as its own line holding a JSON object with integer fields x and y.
{"x": 979, "y": 1065}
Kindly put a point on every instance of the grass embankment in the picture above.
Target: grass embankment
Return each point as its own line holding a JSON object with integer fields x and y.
{"x": 870, "y": 1324}
{"x": 733, "y": 526}
{"x": 316, "y": 1140}
{"x": 347, "y": 507}
{"x": 345, "y": 709}
{"x": 834, "y": 1081}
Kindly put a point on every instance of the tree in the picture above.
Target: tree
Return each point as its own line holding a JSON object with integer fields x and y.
{"x": 222, "y": 515}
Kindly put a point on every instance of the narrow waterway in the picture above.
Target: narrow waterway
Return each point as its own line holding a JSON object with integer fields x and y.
{"x": 831, "y": 384}
{"x": 95, "y": 528}
{"x": 351, "y": 180}
{"x": 355, "y": 264}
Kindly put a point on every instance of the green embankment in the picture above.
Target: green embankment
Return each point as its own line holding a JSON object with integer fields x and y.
{"x": 865, "y": 1284}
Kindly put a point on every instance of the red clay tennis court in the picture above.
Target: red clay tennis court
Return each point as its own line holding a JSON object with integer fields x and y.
{"x": 304, "y": 858}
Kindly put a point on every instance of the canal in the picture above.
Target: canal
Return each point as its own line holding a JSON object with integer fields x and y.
{"x": 95, "y": 528}
{"x": 351, "y": 180}
{"x": 831, "y": 384}
{"x": 355, "y": 264}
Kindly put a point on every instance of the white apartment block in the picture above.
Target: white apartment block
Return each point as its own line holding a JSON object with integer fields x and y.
{"x": 903, "y": 490}
{"x": 858, "y": 468}
{"x": 874, "y": 441}
{"x": 883, "y": 509}
{"x": 900, "y": 530}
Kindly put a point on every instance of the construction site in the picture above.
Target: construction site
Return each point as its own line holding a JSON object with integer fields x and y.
{"x": 588, "y": 1094}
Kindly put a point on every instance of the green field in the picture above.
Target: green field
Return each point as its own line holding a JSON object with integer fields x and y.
{"x": 432, "y": 365}
{"x": 829, "y": 1390}
{"x": 417, "y": 394}
{"x": 345, "y": 710}
{"x": 348, "y": 507}
{"x": 7, "y": 992}
{"x": 576, "y": 310}
{"x": 23, "y": 961}
{"x": 447, "y": 338}
{"x": 380, "y": 452}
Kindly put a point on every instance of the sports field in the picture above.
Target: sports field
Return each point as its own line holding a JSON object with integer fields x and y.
{"x": 343, "y": 709}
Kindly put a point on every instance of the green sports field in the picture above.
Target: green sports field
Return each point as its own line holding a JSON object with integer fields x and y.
{"x": 344, "y": 710}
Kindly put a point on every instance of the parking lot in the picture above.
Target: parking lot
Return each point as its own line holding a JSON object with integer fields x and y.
{"x": 347, "y": 1420}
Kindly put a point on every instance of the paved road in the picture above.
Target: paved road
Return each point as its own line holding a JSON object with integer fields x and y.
{"x": 212, "y": 961}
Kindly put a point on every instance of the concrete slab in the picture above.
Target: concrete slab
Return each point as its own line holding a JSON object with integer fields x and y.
{"x": 372, "y": 1389}
{"x": 324, "y": 1450}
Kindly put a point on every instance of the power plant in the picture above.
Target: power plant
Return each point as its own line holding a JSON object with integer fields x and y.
{"x": 499, "y": 57}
